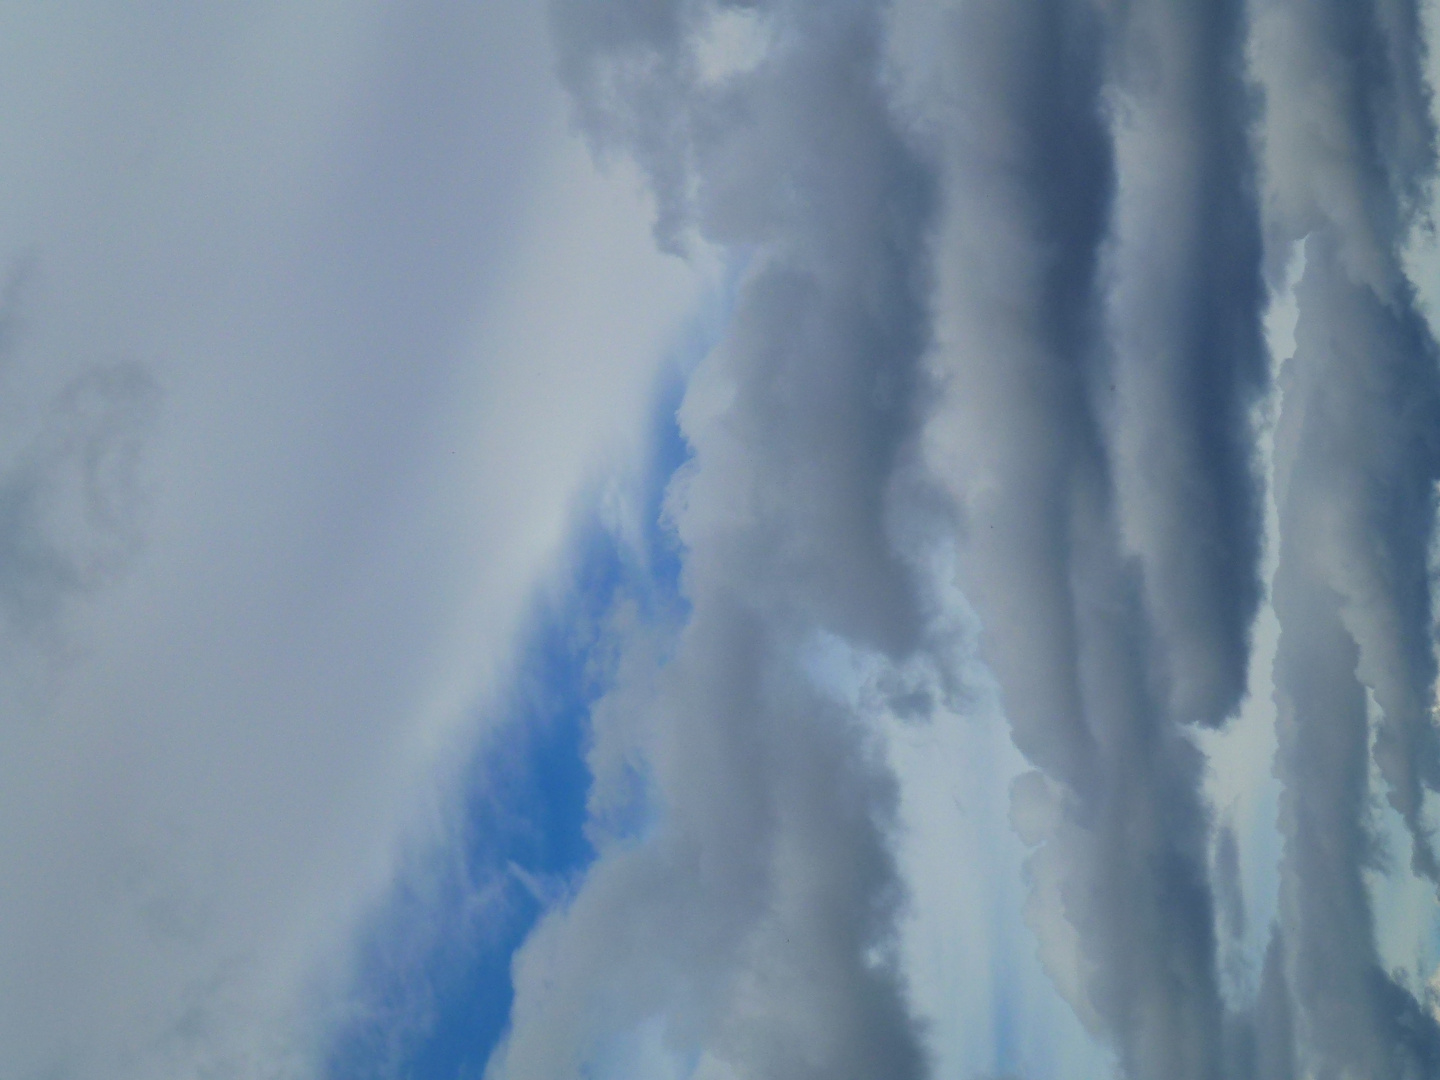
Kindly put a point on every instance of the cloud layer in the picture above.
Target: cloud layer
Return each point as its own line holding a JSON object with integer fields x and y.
{"x": 1009, "y": 271}
{"x": 320, "y": 326}
{"x": 320, "y": 335}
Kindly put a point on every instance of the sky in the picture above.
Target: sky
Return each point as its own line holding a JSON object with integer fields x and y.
{"x": 719, "y": 540}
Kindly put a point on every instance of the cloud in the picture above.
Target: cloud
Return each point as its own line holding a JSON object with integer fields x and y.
{"x": 983, "y": 438}
{"x": 1100, "y": 353}
{"x": 400, "y": 322}
{"x": 1184, "y": 345}
{"x": 71, "y": 504}
{"x": 1095, "y": 206}
{"x": 1349, "y": 153}
{"x": 756, "y": 925}
{"x": 71, "y": 499}
{"x": 1110, "y": 194}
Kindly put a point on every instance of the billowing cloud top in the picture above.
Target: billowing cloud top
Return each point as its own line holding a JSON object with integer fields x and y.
{"x": 966, "y": 470}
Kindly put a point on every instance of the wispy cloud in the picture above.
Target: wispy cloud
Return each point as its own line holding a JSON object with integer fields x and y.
{"x": 1097, "y": 199}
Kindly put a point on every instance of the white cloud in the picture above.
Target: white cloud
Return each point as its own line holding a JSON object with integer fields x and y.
{"x": 398, "y": 321}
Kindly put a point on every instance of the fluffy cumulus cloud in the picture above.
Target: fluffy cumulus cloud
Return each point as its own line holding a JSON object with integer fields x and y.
{"x": 1010, "y": 653}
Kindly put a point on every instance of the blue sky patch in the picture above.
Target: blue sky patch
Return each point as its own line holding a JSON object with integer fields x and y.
{"x": 435, "y": 990}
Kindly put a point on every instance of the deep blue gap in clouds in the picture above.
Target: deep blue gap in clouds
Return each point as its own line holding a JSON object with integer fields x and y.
{"x": 433, "y": 997}
{"x": 441, "y": 1014}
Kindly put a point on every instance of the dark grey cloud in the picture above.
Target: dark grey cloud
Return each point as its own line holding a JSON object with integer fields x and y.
{"x": 1015, "y": 253}
{"x": 1359, "y": 428}
{"x": 1100, "y": 351}
{"x": 1187, "y": 360}
{"x": 1350, "y": 151}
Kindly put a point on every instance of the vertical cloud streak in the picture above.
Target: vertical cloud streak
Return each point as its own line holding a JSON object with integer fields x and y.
{"x": 1349, "y": 154}
{"x": 1184, "y": 297}
{"x": 1101, "y": 355}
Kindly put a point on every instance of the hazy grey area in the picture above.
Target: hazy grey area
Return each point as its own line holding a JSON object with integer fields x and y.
{"x": 1056, "y": 693}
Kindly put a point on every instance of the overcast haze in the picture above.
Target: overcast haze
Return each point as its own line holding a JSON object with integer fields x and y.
{"x": 719, "y": 540}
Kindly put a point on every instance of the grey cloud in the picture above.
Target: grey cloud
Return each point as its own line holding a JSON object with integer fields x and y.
{"x": 1099, "y": 351}
{"x": 758, "y": 921}
{"x": 1361, "y": 437}
{"x": 1351, "y": 1018}
{"x": 1260, "y": 1042}
{"x": 1188, "y": 363}
{"x": 1015, "y": 250}
{"x": 1099, "y": 360}
{"x": 399, "y": 321}
{"x": 1230, "y": 899}
{"x": 71, "y": 504}
{"x": 1349, "y": 148}
{"x": 1101, "y": 373}
{"x": 1230, "y": 910}
{"x": 1012, "y": 108}
{"x": 625, "y": 69}
{"x": 1347, "y": 139}
{"x": 72, "y": 501}
{"x": 12, "y": 319}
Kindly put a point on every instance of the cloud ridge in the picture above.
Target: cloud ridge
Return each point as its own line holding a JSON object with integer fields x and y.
{"x": 1009, "y": 265}
{"x": 755, "y": 925}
